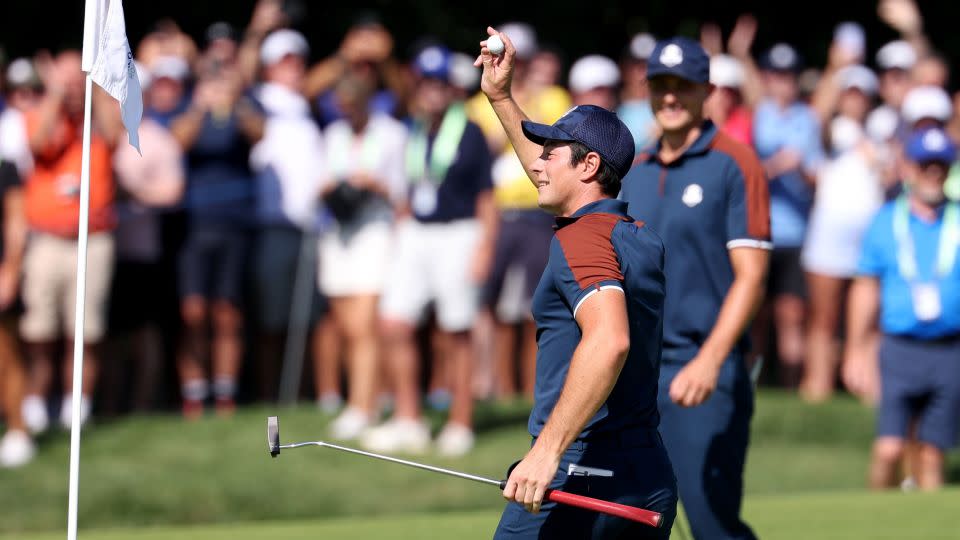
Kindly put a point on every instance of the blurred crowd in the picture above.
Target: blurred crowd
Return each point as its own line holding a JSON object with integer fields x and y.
{"x": 361, "y": 209}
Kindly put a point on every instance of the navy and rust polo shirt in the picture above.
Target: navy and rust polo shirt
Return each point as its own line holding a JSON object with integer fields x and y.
{"x": 712, "y": 199}
{"x": 598, "y": 247}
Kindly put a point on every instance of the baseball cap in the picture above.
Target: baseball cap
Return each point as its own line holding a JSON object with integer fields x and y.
{"x": 170, "y": 67}
{"x": 926, "y": 102}
{"x": 21, "y": 74}
{"x": 882, "y": 123}
{"x": 726, "y": 71}
{"x": 641, "y": 46}
{"x": 859, "y": 77}
{"x": 931, "y": 144}
{"x": 681, "y": 57}
{"x": 896, "y": 55}
{"x": 523, "y": 37}
{"x": 781, "y": 57}
{"x": 433, "y": 62}
{"x": 593, "y": 71}
{"x": 594, "y": 127}
{"x": 282, "y": 43}
{"x": 463, "y": 74}
{"x": 220, "y": 30}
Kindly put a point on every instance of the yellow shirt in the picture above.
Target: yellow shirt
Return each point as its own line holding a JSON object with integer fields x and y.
{"x": 512, "y": 188}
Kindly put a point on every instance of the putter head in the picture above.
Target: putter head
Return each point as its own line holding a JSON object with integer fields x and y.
{"x": 273, "y": 435}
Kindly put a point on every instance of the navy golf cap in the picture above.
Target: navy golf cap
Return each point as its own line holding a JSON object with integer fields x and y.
{"x": 594, "y": 127}
{"x": 931, "y": 144}
{"x": 433, "y": 62}
{"x": 682, "y": 57}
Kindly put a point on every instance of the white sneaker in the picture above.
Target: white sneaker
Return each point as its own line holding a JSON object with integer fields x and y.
{"x": 455, "y": 440}
{"x": 350, "y": 424}
{"x": 398, "y": 435}
{"x": 34, "y": 411}
{"x": 16, "y": 449}
{"x": 330, "y": 403}
{"x": 66, "y": 411}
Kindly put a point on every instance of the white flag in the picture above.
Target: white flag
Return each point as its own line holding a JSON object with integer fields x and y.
{"x": 108, "y": 59}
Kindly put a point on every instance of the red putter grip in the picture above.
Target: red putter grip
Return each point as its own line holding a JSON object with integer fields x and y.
{"x": 647, "y": 517}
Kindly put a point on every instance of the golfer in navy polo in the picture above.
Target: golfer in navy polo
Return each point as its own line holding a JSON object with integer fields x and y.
{"x": 706, "y": 196}
{"x": 598, "y": 309}
{"x": 909, "y": 279}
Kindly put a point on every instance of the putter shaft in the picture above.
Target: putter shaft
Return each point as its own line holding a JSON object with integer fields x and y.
{"x": 465, "y": 476}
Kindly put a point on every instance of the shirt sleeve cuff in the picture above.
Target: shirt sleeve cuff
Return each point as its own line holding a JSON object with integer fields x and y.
{"x": 750, "y": 243}
{"x": 593, "y": 289}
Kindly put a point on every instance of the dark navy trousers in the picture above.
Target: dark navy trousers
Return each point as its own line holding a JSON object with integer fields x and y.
{"x": 708, "y": 448}
{"x": 641, "y": 476}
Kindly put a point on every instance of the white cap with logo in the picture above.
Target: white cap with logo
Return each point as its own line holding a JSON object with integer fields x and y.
{"x": 282, "y": 43}
{"x": 593, "y": 71}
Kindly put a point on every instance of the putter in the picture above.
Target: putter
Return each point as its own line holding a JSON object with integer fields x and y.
{"x": 640, "y": 515}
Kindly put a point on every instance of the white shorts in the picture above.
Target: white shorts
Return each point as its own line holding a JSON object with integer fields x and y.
{"x": 832, "y": 243}
{"x": 432, "y": 262}
{"x": 50, "y": 287}
{"x": 358, "y": 265}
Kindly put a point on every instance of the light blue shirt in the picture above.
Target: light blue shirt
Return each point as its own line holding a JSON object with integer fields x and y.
{"x": 879, "y": 259}
{"x": 791, "y": 197}
{"x": 638, "y": 116}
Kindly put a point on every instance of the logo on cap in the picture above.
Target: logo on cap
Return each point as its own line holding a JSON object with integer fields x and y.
{"x": 692, "y": 195}
{"x": 671, "y": 55}
{"x": 431, "y": 59}
{"x": 934, "y": 141}
{"x": 783, "y": 56}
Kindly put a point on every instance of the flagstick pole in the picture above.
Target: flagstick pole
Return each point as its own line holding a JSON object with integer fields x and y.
{"x": 78, "y": 326}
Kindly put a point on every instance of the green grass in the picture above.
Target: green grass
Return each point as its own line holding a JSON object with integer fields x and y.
{"x": 839, "y": 515}
{"x": 806, "y": 467}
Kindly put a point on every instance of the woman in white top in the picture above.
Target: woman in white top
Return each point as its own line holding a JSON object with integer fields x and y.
{"x": 849, "y": 192}
{"x": 366, "y": 163}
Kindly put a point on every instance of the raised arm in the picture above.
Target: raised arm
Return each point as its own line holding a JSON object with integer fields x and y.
{"x": 495, "y": 84}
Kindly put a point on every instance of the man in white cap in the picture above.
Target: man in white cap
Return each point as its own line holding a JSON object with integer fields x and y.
{"x": 634, "y": 107}
{"x": 288, "y": 165}
{"x": 594, "y": 80}
{"x": 924, "y": 106}
{"x": 22, "y": 93}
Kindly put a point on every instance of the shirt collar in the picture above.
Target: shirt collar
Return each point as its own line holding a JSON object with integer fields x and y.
{"x": 708, "y": 131}
{"x": 602, "y": 206}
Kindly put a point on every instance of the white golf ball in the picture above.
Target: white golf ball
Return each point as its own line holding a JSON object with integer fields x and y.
{"x": 495, "y": 44}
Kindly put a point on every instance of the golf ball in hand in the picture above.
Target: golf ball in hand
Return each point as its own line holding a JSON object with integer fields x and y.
{"x": 495, "y": 45}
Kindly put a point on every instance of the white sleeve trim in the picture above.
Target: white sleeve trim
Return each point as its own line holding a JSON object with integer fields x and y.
{"x": 750, "y": 243}
{"x": 591, "y": 293}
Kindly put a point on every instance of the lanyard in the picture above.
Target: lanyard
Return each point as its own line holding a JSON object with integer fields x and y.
{"x": 444, "y": 148}
{"x": 946, "y": 250}
{"x": 342, "y": 153}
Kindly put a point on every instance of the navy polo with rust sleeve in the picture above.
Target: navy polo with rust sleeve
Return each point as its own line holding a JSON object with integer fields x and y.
{"x": 601, "y": 247}
{"x": 712, "y": 199}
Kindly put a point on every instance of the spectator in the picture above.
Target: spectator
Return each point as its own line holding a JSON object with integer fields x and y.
{"x": 367, "y": 52}
{"x": 787, "y": 138}
{"x": 634, "y": 107}
{"x": 289, "y": 163}
{"x": 366, "y": 156}
{"x": 22, "y": 94}
{"x": 849, "y": 191}
{"x": 216, "y": 133}
{"x": 594, "y": 80}
{"x": 166, "y": 98}
{"x": 52, "y": 203}
{"x": 926, "y": 106}
{"x": 443, "y": 254}
{"x": 149, "y": 184}
{"x": 726, "y": 106}
{"x": 908, "y": 276}
{"x": 16, "y": 446}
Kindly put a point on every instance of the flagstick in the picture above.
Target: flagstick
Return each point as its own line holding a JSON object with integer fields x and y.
{"x": 78, "y": 326}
